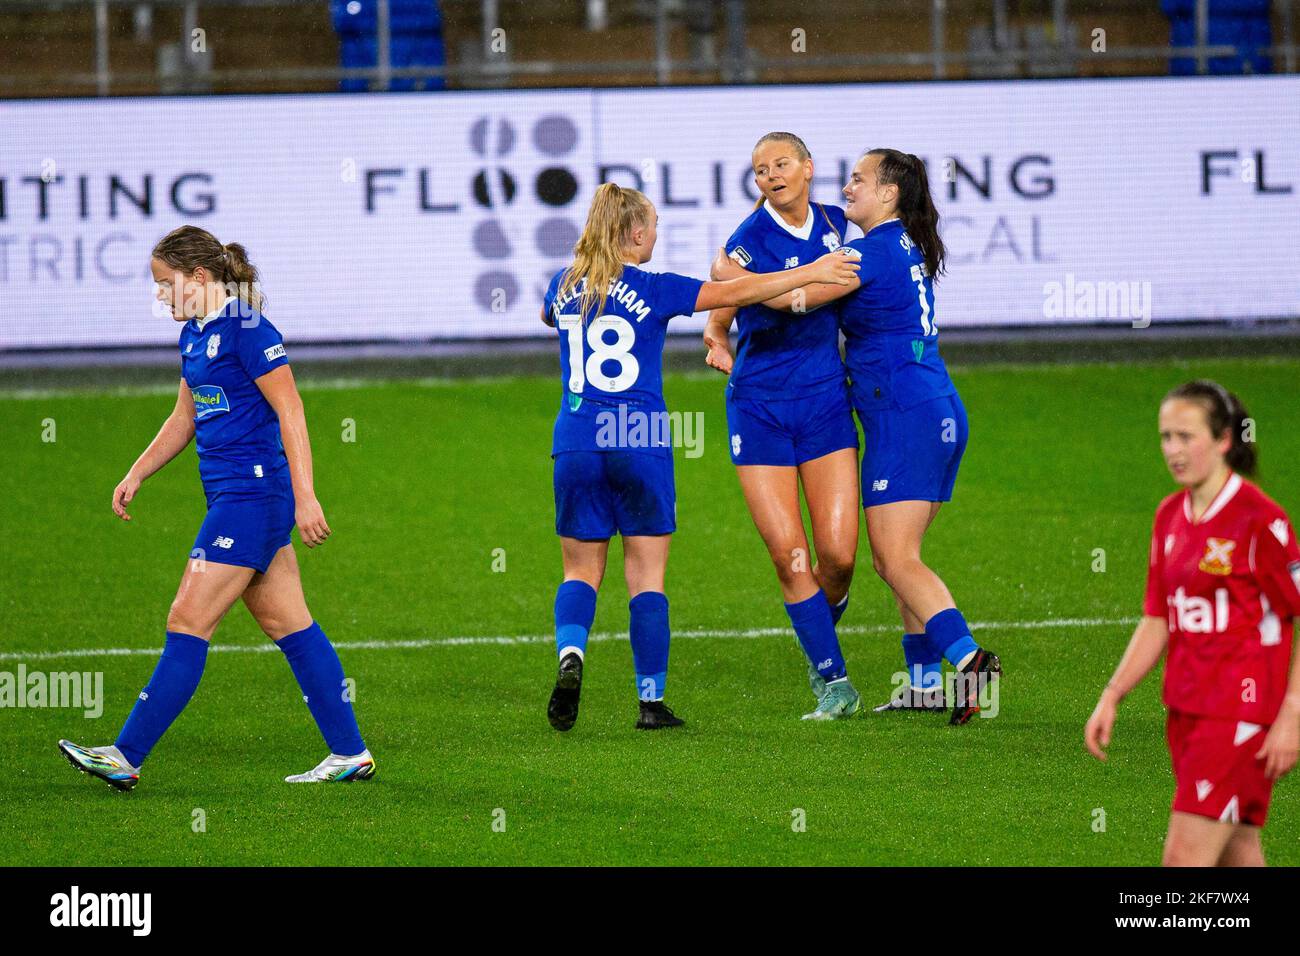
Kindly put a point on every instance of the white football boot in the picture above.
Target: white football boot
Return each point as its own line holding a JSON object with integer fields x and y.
{"x": 336, "y": 769}
{"x": 106, "y": 763}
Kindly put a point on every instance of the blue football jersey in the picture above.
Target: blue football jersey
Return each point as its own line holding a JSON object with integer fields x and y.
{"x": 615, "y": 359}
{"x": 236, "y": 431}
{"x": 891, "y": 340}
{"x": 783, "y": 355}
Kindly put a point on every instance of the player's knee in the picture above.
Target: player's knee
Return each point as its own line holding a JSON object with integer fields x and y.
{"x": 791, "y": 564}
{"x": 184, "y": 619}
{"x": 835, "y": 569}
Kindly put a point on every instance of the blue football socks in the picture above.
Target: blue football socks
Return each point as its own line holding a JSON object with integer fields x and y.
{"x": 170, "y": 688}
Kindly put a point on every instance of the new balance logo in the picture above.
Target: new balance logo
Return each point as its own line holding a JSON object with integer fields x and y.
{"x": 791, "y": 262}
{"x": 880, "y": 484}
{"x": 221, "y": 542}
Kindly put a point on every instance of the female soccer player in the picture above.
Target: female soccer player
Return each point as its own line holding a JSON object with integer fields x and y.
{"x": 913, "y": 421}
{"x": 239, "y": 401}
{"x": 612, "y": 445}
{"x": 1223, "y": 588}
{"x": 789, "y": 416}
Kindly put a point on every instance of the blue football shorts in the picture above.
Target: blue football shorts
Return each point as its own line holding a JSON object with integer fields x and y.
{"x": 602, "y": 493}
{"x": 246, "y": 526}
{"x": 912, "y": 454}
{"x": 790, "y": 432}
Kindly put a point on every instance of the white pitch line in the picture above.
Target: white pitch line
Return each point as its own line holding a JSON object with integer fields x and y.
{"x": 507, "y": 640}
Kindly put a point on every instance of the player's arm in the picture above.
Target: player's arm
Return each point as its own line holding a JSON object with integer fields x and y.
{"x": 546, "y": 317}
{"x": 1144, "y": 651}
{"x": 281, "y": 392}
{"x": 1277, "y": 554}
{"x": 172, "y": 439}
{"x": 834, "y": 268}
{"x": 1281, "y": 746}
{"x": 806, "y": 298}
{"x": 717, "y": 339}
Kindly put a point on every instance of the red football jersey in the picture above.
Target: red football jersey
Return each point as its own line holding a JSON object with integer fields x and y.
{"x": 1229, "y": 584}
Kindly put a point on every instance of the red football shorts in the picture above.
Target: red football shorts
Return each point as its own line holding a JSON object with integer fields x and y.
{"x": 1215, "y": 771}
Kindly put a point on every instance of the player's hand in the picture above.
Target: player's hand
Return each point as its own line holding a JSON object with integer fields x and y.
{"x": 1096, "y": 733}
{"x": 122, "y": 495}
{"x": 1281, "y": 747}
{"x": 311, "y": 523}
{"x": 724, "y": 267}
{"x": 836, "y": 268}
{"x": 719, "y": 354}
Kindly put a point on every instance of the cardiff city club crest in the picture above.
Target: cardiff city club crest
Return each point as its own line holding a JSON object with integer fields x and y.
{"x": 214, "y": 343}
{"x": 1218, "y": 556}
{"x": 832, "y": 241}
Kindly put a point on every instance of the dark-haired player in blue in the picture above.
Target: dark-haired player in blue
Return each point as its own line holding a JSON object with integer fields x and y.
{"x": 914, "y": 424}
{"x": 612, "y": 443}
{"x": 789, "y": 417}
{"x": 239, "y": 403}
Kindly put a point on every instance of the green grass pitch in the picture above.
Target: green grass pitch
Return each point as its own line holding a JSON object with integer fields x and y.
{"x": 1063, "y": 460}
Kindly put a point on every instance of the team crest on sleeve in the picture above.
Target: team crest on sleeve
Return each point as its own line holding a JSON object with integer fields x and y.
{"x": 274, "y": 352}
{"x": 1218, "y": 556}
{"x": 214, "y": 343}
{"x": 741, "y": 256}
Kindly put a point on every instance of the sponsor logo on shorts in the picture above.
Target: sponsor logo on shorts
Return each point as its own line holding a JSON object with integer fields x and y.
{"x": 221, "y": 542}
{"x": 257, "y": 471}
{"x": 735, "y": 445}
{"x": 209, "y": 400}
{"x": 274, "y": 352}
{"x": 880, "y": 484}
{"x": 1218, "y": 556}
{"x": 741, "y": 256}
{"x": 214, "y": 343}
{"x": 1203, "y": 788}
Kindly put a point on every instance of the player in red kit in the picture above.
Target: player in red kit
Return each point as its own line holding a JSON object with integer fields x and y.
{"x": 1223, "y": 586}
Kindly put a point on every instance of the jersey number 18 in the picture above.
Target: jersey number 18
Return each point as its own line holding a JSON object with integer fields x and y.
{"x": 619, "y": 351}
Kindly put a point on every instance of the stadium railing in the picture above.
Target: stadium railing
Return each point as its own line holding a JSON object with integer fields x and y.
{"x": 1052, "y": 48}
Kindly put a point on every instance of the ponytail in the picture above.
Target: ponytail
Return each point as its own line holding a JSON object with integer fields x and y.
{"x": 244, "y": 274}
{"x": 1224, "y": 413}
{"x": 915, "y": 204}
{"x": 598, "y": 254}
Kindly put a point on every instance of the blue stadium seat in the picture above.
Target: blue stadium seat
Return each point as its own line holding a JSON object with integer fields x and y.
{"x": 415, "y": 31}
{"x": 1243, "y": 24}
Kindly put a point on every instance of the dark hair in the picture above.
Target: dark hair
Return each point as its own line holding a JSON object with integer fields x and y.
{"x": 188, "y": 247}
{"x": 915, "y": 206}
{"x": 1223, "y": 413}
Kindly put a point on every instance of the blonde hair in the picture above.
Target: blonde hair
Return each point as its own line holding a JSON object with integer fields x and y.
{"x": 790, "y": 139}
{"x": 189, "y": 247}
{"x": 598, "y": 253}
